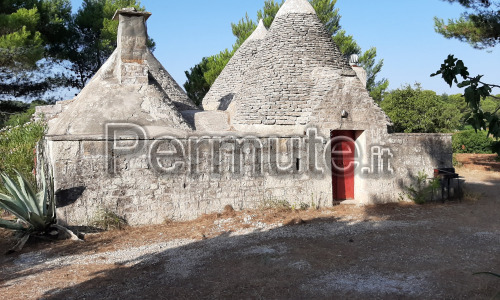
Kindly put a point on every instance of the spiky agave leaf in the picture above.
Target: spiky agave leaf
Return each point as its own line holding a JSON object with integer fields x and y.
{"x": 13, "y": 206}
{"x": 11, "y": 225}
{"x": 29, "y": 194}
{"x": 15, "y": 190}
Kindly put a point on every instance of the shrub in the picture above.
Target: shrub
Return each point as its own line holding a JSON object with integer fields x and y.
{"x": 470, "y": 141}
{"x": 17, "y": 146}
{"x": 422, "y": 189}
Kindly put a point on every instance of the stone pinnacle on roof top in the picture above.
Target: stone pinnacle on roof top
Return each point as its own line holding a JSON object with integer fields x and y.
{"x": 259, "y": 33}
{"x": 296, "y": 7}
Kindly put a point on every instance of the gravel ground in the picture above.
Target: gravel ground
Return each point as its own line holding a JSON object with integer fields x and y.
{"x": 394, "y": 252}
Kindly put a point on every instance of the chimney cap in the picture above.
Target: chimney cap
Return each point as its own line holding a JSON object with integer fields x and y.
{"x": 131, "y": 11}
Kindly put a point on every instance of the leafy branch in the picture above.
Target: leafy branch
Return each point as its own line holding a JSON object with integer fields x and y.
{"x": 454, "y": 71}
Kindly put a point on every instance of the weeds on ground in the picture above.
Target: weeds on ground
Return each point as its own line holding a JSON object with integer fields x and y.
{"x": 273, "y": 203}
{"x": 107, "y": 220}
{"x": 422, "y": 189}
{"x": 283, "y": 205}
{"x": 471, "y": 196}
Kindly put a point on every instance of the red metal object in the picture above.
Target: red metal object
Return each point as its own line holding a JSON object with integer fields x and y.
{"x": 343, "y": 155}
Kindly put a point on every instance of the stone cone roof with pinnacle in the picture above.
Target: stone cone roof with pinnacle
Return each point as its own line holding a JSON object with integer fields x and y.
{"x": 280, "y": 85}
{"x": 231, "y": 78}
{"x": 132, "y": 87}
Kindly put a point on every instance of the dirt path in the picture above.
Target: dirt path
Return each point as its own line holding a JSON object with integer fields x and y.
{"x": 389, "y": 252}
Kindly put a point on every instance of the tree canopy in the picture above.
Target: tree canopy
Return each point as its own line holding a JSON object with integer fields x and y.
{"x": 37, "y": 37}
{"x": 30, "y": 33}
{"x": 479, "y": 25}
{"x": 329, "y": 16}
{"x": 414, "y": 110}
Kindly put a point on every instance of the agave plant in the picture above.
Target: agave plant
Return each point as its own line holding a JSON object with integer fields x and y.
{"x": 35, "y": 212}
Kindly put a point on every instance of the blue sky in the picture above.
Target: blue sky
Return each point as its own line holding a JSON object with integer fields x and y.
{"x": 401, "y": 30}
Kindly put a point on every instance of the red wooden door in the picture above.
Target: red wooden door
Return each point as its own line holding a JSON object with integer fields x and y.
{"x": 343, "y": 154}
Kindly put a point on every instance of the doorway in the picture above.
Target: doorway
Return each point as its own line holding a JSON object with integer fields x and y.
{"x": 343, "y": 164}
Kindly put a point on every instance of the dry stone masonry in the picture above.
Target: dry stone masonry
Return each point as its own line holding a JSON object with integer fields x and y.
{"x": 232, "y": 77}
{"x": 132, "y": 142}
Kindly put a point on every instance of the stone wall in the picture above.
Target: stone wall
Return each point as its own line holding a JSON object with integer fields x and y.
{"x": 132, "y": 185}
{"x": 141, "y": 194}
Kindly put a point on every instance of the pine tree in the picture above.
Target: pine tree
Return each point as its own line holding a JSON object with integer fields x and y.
{"x": 29, "y": 31}
{"x": 479, "y": 26}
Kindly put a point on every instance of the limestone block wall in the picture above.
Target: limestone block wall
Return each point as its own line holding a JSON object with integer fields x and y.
{"x": 91, "y": 174}
{"x": 142, "y": 195}
{"x": 392, "y": 162}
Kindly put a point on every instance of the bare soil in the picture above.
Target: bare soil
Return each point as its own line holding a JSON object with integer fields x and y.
{"x": 487, "y": 162}
{"x": 397, "y": 251}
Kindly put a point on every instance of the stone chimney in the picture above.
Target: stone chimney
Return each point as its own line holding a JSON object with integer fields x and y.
{"x": 132, "y": 47}
{"x": 360, "y": 71}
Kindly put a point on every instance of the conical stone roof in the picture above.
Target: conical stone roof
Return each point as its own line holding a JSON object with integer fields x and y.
{"x": 279, "y": 85}
{"x": 229, "y": 82}
{"x": 131, "y": 87}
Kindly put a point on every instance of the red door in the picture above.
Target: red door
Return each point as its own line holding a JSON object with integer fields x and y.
{"x": 343, "y": 154}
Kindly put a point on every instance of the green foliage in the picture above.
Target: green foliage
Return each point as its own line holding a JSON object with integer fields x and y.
{"x": 480, "y": 28}
{"x": 10, "y": 108}
{"x": 243, "y": 30}
{"x": 268, "y": 13}
{"x": 35, "y": 211}
{"x": 21, "y": 46}
{"x": 17, "y": 147}
{"x": 453, "y": 71}
{"x": 368, "y": 61}
{"x": 215, "y": 65}
{"x": 108, "y": 220}
{"x": 30, "y": 31}
{"x": 196, "y": 86}
{"x": 15, "y": 113}
{"x": 347, "y": 44}
{"x": 422, "y": 190}
{"x": 471, "y": 141}
{"x": 414, "y": 110}
{"x": 328, "y": 15}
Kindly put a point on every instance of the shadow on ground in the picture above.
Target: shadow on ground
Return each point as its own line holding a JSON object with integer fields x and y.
{"x": 392, "y": 252}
